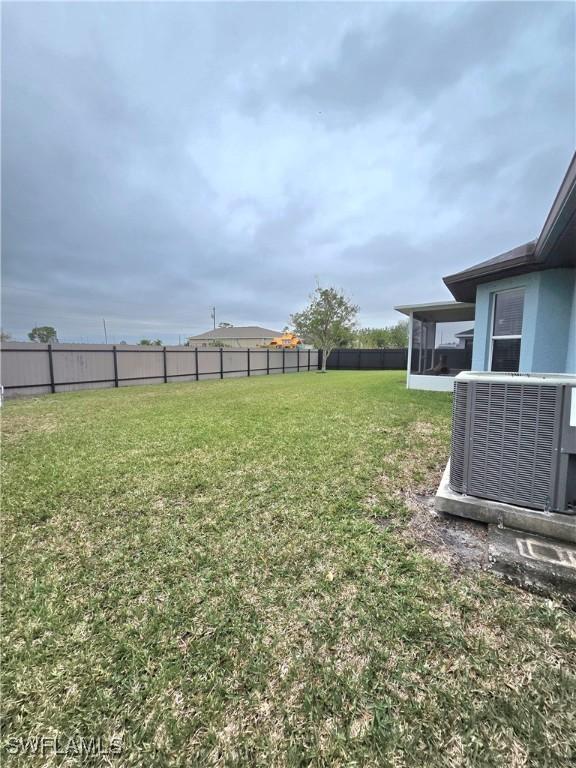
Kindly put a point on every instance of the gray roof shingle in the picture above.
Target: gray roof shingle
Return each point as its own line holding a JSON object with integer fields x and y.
{"x": 238, "y": 332}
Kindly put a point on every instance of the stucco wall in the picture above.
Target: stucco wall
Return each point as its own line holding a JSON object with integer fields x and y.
{"x": 548, "y": 335}
{"x": 552, "y": 327}
{"x": 571, "y": 352}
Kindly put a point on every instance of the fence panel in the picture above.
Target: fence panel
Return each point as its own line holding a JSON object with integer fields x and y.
{"x": 235, "y": 362}
{"x": 26, "y": 369}
{"x": 209, "y": 363}
{"x": 276, "y": 357}
{"x": 89, "y": 368}
{"x": 368, "y": 359}
{"x": 32, "y": 369}
{"x": 140, "y": 366}
{"x": 258, "y": 362}
{"x": 180, "y": 364}
{"x": 291, "y": 362}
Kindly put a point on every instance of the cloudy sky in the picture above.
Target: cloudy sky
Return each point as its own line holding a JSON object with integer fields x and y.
{"x": 160, "y": 158}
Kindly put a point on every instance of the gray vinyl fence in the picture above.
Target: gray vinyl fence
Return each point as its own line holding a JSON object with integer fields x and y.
{"x": 35, "y": 369}
{"x": 369, "y": 359}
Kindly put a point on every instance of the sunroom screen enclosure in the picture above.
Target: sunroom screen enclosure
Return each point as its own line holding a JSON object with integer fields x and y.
{"x": 440, "y": 343}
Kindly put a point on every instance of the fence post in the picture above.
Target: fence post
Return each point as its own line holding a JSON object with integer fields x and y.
{"x": 196, "y": 362}
{"x": 308, "y": 359}
{"x": 115, "y": 358}
{"x": 267, "y": 362}
{"x": 283, "y": 360}
{"x": 51, "y": 366}
{"x": 165, "y": 366}
{"x": 320, "y": 353}
{"x": 297, "y": 360}
{"x": 248, "y": 361}
{"x": 360, "y": 366}
{"x": 221, "y": 363}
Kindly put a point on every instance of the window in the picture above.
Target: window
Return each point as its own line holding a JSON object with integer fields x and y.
{"x": 507, "y": 330}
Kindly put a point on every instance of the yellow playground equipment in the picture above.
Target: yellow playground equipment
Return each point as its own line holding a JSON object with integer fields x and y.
{"x": 288, "y": 340}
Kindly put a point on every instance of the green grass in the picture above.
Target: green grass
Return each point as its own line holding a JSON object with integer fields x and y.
{"x": 196, "y": 569}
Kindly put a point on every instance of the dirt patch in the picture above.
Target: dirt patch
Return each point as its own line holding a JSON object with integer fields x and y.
{"x": 21, "y": 425}
{"x": 461, "y": 544}
{"x": 382, "y": 522}
{"x": 415, "y": 468}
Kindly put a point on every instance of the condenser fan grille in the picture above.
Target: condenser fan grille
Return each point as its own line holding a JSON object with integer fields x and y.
{"x": 512, "y": 430}
{"x": 505, "y": 439}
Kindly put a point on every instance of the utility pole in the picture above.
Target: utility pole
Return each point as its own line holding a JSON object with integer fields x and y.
{"x": 213, "y": 316}
{"x": 105, "y": 334}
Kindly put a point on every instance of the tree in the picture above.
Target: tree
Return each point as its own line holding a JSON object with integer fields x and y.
{"x": 398, "y": 334}
{"x": 150, "y": 343}
{"x": 4, "y": 336}
{"x": 225, "y": 325}
{"x": 327, "y": 322}
{"x": 390, "y": 336}
{"x": 45, "y": 334}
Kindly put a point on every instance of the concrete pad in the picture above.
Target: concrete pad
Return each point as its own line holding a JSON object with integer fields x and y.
{"x": 533, "y": 562}
{"x": 550, "y": 524}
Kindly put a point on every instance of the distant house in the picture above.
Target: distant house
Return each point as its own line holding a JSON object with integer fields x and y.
{"x": 235, "y": 336}
{"x": 522, "y": 302}
{"x": 465, "y": 338}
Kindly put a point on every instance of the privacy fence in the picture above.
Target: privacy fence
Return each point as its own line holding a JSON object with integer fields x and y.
{"x": 33, "y": 369}
{"x": 375, "y": 359}
{"x": 397, "y": 359}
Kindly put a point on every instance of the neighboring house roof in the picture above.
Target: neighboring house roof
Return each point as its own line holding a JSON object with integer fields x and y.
{"x": 555, "y": 246}
{"x": 238, "y": 332}
{"x": 468, "y": 334}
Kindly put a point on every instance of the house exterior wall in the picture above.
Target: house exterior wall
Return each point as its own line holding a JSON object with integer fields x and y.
{"x": 571, "y": 353}
{"x": 554, "y": 309}
{"x": 549, "y": 306}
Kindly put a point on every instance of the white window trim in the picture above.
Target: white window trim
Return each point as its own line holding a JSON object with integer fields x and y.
{"x": 494, "y": 337}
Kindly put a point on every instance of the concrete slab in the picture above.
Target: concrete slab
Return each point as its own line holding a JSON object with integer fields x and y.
{"x": 549, "y": 524}
{"x": 533, "y": 562}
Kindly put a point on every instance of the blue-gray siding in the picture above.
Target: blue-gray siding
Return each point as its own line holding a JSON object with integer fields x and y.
{"x": 549, "y": 323}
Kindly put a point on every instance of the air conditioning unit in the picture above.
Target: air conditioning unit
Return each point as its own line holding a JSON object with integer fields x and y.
{"x": 514, "y": 439}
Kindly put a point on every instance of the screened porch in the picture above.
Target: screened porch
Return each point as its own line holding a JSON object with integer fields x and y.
{"x": 441, "y": 338}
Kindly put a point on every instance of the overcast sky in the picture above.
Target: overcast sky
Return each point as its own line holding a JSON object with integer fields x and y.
{"x": 161, "y": 158}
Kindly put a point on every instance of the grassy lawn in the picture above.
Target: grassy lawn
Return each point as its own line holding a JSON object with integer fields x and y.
{"x": 196, "y": 568}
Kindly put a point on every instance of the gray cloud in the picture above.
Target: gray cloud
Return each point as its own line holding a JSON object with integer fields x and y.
{"x": 159, "y": 158}
{"x": 410, "y": 58}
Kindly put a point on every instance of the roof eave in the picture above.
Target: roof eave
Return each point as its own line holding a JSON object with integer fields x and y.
{"x": 442, "y": 312}
{"x": 561, "y": 213}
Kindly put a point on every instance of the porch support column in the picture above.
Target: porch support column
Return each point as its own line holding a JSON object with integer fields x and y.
{"x": 420, "y": 341}
{"x": 409, "y": 365}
